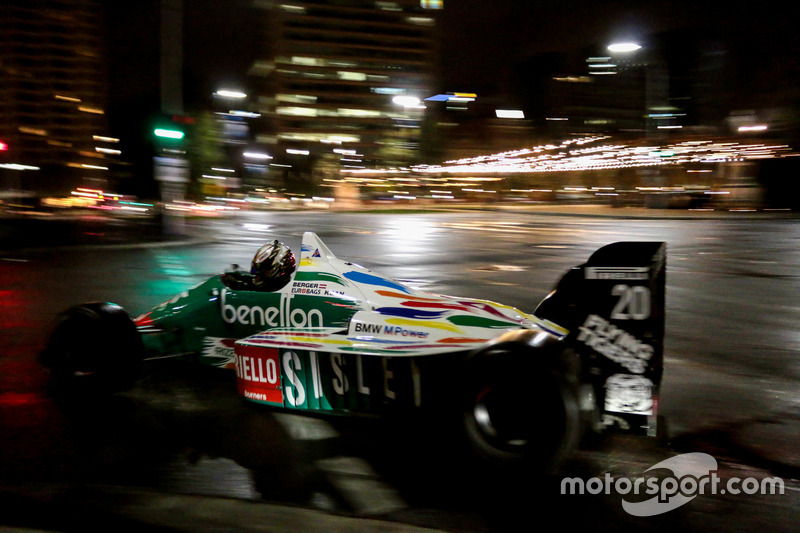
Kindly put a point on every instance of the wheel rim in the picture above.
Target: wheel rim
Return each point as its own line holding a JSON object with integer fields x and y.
{"x": 496, "y": 414}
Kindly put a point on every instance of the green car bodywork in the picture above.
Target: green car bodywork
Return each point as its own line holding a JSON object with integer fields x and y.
{"x": 207, "y": 318}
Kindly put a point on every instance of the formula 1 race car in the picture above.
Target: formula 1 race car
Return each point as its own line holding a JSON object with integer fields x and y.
{"x": 339, "y": 338}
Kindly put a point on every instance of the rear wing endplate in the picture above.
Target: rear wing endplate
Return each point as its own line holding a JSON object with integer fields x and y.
{"x": 613, "y": 306}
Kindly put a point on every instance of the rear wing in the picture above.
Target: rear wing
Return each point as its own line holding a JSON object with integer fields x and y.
{"x": 613, "y": 306}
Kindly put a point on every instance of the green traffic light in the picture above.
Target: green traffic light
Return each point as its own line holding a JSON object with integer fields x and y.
{"x": 168, "y": 134}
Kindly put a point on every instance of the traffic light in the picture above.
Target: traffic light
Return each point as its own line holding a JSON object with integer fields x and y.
{"x": 3, "y": 146}
{"x": 168, "y": 133}
{"x": 171, "y": 128}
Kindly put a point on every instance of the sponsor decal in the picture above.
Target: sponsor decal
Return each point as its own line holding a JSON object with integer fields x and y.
{"x": 310, "y": 287}
{"x": 258, "y": 374}
{"x": 385, "y": 329}
{"x": 305, "y": 379}
{"x": 615, "y": 343}
{"x": 621, "y": 273}
{"x": 627, "y": 393}
{"x": 281, "y": 316}
{"x": 219, "y": 348}
{"x": 400, "y": 331}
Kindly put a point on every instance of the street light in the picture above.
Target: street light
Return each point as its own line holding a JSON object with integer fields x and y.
{"x": 624, "y": 47}
{"x": 227, "y": 93}
{"x": 407, "y": 101}
{"x": 652, "y": 86}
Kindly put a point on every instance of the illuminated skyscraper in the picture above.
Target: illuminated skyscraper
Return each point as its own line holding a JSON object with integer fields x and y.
{"x": 53, "y": 94}
{"x": 349, "y": 75}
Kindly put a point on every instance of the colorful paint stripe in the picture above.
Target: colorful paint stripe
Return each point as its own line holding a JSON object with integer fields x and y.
{"x": 371, "y": 279}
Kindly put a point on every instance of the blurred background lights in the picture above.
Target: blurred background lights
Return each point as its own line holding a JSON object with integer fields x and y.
{"x": 406, "y": 100}
{"x": 227, "y": 93}
{"x": 509, "y": 113}
{"x": 168, "y": 134}
{"x": 256, "y": 155}
{"x": 624, "y": 47}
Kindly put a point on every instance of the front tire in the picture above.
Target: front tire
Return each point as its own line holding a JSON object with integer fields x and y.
{"x": 93, "y": 349}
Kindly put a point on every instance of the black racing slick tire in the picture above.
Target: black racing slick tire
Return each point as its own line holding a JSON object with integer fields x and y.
{"x": 515, "y": 417}
{"x": 93, "y": 349}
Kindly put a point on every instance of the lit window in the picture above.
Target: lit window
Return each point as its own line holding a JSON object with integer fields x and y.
{"x": 300, "y": 60}
{"x": 297, "y": 111}
{"x": 351, "y": 76}
{"x": 388, "y": 6}
{"x": 368, "y": 113}
{"x": 296, "y": 98}
{"x": 420, "y": 21}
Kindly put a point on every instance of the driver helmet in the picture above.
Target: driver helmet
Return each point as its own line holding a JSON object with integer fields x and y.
{"x": 272, "y": 266}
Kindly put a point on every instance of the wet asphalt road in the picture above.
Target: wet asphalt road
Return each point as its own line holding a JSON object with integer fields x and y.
{"x": 731, "y": 362}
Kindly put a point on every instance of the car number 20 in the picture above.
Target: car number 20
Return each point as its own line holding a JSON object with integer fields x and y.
{"x": 633, "y": 303}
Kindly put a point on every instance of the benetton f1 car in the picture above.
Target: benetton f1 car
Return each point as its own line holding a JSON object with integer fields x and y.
{"x": 339, "y": 338}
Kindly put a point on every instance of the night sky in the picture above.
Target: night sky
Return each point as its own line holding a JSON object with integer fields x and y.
{"x": 481, "y": 38}
{"x": 483, "y": 41}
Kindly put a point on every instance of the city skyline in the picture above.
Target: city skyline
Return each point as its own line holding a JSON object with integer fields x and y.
{"x": 479, "y": 39}
{"x": 493, "y": 50}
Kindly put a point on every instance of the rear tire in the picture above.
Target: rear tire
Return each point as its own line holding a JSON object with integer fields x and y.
{"x": 93, "y": 349}
{"x": 519, "y": 418}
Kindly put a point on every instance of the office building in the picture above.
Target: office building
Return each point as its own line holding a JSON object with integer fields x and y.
{"x": 341, "y": 84}
{"x": 53, "y": 96}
